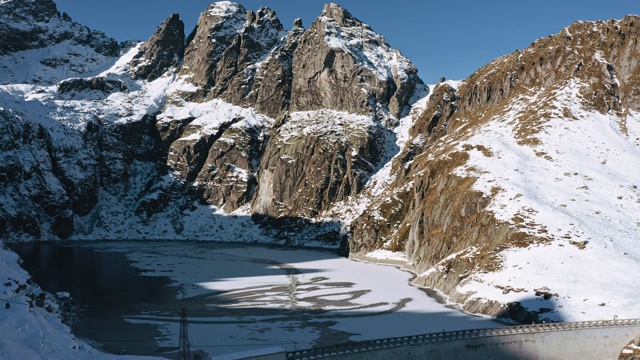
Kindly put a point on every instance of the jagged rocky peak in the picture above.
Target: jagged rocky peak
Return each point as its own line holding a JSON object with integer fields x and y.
{"x": 346, "y": 81}
{"x": 215, "y": 30}
{"x": 164, "y": 50}
{"x": 225, "y": 44}
{"x": 333, "y": 12}
{"x": 337, "y": 46}
{"x": 269, "y": 90}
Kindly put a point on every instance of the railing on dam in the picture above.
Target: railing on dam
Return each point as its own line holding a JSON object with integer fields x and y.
{"x": 372, "y": 345}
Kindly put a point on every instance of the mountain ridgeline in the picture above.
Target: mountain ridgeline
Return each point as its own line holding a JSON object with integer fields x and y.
{"x": 234, "y": 58}
{"x": 242, "y": 130}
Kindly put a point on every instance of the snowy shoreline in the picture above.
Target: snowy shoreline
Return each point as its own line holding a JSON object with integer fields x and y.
{"x": 405, "y": 265}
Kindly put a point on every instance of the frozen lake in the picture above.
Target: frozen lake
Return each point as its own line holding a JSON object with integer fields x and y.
{"x": 127, "y": 296}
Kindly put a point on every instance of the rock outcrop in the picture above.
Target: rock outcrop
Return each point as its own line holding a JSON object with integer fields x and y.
{"x": 316, "y": 159}
{"x": 74, "y": 86}
{"x": 163, "y": 51}
{"x": 220, "y": 158}
{"x": 271, "y": 90}
{"x": 338, "y": 54}
{"x": 223, "y": 49}
{"x": 631, "y": 351}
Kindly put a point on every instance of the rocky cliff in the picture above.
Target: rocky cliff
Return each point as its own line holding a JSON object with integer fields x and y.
{"x": 164, "y": 50}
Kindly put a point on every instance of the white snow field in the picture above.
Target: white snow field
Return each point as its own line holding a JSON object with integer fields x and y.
{"x": 578, "y": 187}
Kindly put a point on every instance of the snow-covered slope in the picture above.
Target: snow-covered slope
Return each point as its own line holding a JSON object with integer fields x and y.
{"x": 39, "y": 45}
{"x": 571, "y": 184}
{"x": 516, "y": 195}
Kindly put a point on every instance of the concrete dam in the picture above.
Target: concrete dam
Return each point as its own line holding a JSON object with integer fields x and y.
{"x": 587, "y": 340}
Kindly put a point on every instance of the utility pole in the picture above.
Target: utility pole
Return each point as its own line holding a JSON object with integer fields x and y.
{"x": 184, "y": 347}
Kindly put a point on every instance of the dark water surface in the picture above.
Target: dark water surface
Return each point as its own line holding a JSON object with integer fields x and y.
{"x": 105, "y": 289}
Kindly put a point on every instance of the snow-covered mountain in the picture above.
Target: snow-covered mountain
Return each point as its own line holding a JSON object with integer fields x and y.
{"x": 169, "y": 133}
{"x": 518, "y": 185}
{"x": 512, "y": 192}
{"x": 41, "y": 46}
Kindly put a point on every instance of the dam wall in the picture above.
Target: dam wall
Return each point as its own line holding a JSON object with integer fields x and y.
{"x": 595, "y": 340}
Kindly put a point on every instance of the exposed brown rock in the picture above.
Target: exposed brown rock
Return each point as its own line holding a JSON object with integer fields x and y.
{"x": 343, "y": 78}
{"x": 164, "y": 50}
{"x": 227, "y": 177}
{"x": 223, "y": 48}
{"x": 236, "y": 70}
{"x": 214, "y": 32}
{"x": 631, "y": 351}
{"x": 188, "y": 154}
{"x": 603, "y": 53}
{"x": 271, "y": 90}
{"x": 303, "y": 174}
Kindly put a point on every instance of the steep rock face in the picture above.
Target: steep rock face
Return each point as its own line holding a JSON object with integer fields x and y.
{"x": 339, "y": 53}
{"x": 316, "y": 159}
{"x": 216, "y": 29}
{"x": 227, "y": 179}
{"x": 216, "y": 149}
{"x": 236, "y": 69}
{"x": 347, "y": 85}
{"x": 452, "y": 232}
{"x": 56, "y": 46}
{"x": 271, "y": 90}
{"x": 62, "y": 180}
{"x": 25, "y": 165}
{"x": 223, "y": 48}
{"x": 164, "y": 50}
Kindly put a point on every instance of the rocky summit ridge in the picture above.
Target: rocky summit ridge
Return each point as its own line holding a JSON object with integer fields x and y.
{"x": 208, "y": 110}
{"x": 326, "y": 136}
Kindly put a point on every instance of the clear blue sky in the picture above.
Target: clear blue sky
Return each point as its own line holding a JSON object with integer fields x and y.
{"x": 450, "y": 38}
